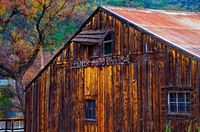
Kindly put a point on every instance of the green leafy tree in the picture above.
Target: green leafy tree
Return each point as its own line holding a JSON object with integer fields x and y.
{"x": 147, "y": 3}
{"x": 183, "y": 5}
{"x": 6, "y": 95}
{"x": 26, "y": 27}
{"x": 114, "y": 2}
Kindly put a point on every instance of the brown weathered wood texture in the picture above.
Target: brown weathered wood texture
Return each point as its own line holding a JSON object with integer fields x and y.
{"x": 130, "y": 98}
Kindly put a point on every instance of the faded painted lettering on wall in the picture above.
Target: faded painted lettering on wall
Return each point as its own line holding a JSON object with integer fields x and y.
{"x": 101, "y": 61}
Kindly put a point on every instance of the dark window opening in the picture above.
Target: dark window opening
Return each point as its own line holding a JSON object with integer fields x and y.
{"x": 107, "y": 48}
{"x": 108, "y": 37}
{"x": 107, "y": 45}
{"x": 179, "y": 102}
{"x": 90, "y": 110}
{"x": 93, "y": 51}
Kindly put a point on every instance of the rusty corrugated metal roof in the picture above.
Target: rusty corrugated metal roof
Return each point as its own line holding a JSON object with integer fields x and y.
{"x": 182, "y": 29}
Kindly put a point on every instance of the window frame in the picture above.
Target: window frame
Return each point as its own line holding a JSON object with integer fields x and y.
{"x": 177, "y": 103}
{"x": 111, "y": 32}
{"x": 93, "y": 110}
{"x": 92, "y": 47}
{"x": 103, "y": 45}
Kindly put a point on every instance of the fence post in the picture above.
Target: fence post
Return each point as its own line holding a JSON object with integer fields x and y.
{"x": 12, "y": 125}
{"x": 6, "y": 125}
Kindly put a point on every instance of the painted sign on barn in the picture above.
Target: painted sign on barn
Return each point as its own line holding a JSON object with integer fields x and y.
{"x": 114, "y": 60}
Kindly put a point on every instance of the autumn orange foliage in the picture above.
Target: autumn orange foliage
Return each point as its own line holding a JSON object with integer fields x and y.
{"x": 25, "y": 27}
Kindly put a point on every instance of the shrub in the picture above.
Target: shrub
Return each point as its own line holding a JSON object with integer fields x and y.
{"x": 6, "y": 95}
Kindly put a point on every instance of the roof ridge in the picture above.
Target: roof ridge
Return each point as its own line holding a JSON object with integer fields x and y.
{"x": 148, "y": 10}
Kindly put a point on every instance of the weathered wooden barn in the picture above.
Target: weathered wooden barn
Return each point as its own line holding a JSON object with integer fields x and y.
{"x": 124, "y": 70}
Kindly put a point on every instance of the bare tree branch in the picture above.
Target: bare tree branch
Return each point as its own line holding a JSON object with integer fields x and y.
{"x": 25, "y": 67}
{"x": 40, "y": 33}
{"x": 7, "y": 71}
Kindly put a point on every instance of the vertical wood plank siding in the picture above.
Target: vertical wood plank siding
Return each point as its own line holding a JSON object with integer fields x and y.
{"x": 129, "y": 98}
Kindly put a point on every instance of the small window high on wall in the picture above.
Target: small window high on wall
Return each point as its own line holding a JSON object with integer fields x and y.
{"x": 107, "y": 45}
{"x": 99, "y": 42}
{"x": 90, "y": 110}
{"x": 93, "y": 51}
{"x": 179, "y": 103}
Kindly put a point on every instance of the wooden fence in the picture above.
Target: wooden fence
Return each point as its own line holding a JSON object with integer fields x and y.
{"x": 11, "y": 125}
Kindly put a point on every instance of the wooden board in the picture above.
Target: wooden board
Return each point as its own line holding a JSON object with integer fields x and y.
{"x": 131, "y": 97}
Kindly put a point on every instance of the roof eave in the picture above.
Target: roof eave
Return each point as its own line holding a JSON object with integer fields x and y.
{"x": 192, "y": 55}
{"x": 61, "y": 50}
{"x": 126, "y": 21}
